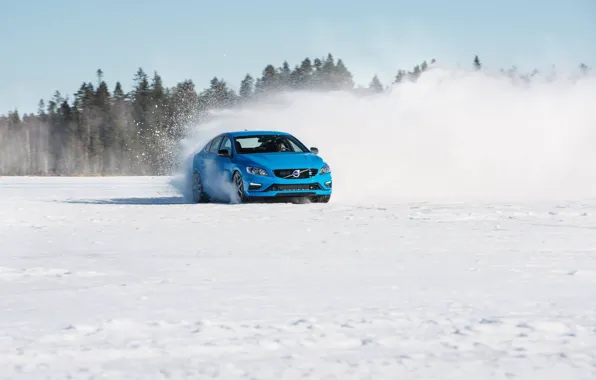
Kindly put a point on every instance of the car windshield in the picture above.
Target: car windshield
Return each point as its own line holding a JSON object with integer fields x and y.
{"x": 268, "y": 144}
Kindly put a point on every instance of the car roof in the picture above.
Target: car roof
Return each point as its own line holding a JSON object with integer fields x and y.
{"x": 250, "y": 133}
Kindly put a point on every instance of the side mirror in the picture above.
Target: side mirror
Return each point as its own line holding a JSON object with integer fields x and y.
{"x": 314, "y": 150}
{"x": 224, "y": 153}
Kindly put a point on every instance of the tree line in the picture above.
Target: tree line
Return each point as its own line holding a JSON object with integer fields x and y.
{"x": 112, "y": 132}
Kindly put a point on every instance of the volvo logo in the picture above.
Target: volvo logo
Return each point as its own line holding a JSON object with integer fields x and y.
{"x": 296, "y": 173}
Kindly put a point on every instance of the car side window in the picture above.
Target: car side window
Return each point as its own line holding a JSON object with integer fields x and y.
{"x": 215, "y": 145}
{"x": 227, "y": 144}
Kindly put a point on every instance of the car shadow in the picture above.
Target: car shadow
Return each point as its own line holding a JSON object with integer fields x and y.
{"x": 132, "y": 201}
{"x": 179, "y": 200}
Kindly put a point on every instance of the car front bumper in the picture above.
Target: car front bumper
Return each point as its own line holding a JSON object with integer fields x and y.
{"x": 272, "y": 186}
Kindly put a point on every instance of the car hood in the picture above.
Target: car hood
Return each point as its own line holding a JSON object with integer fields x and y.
{"x": 284, "y": 160}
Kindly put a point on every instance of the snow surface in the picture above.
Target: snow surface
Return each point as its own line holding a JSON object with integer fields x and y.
{"x": 119, "y": 278}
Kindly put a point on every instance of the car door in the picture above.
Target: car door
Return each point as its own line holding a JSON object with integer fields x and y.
{"x": 225, "y": 164}
{"x": 209, "y": 165}
{"x": 199, "y": 158}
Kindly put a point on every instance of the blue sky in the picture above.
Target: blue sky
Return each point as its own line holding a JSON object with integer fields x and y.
{"x": 56, "y": 45}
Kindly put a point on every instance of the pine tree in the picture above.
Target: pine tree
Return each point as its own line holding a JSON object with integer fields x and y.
{"x": 270, "y": 80}
{"x": 141, "y": 100}
{"x": 414, "y": 74}
{"x": 298, "y": 76}
{"x": 246, "y": 88}
{"x": 375, "y": 85}
{"x": 284, "y": 79}
{"x": 477, "y": 64}
{"x": 327, "y": 78}
{"x": 343, "y": 78}
{"x": 104, "y": 146}
{"x": 400, "y": 76}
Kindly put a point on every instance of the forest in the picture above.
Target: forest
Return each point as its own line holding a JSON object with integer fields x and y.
{"x": 103, "y": 131}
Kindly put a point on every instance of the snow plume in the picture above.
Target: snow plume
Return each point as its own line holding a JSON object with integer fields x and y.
{"x": 220, "y": 186}
{"x": 451, "y": 135}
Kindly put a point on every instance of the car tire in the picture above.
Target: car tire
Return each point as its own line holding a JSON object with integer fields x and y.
{"x": 198, "y": 192}
{"x": 238, "y": 182}
{"x": 321, "y": 199}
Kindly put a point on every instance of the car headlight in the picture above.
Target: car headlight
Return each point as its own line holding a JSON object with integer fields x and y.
{"x": 256, "y": 171}
{"x": 325, "y": 169}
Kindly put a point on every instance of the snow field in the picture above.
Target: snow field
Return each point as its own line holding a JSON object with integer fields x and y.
{"x": 119, "y": 278}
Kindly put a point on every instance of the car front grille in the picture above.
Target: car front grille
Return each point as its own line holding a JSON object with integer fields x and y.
{"x": 302, "y": 173}
{"x": 296, "y": 187}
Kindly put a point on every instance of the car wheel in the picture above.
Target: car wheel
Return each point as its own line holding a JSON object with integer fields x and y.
{"x": 198, "y": 192}
{"x": 239, "y": 187}
{"x": 321, "y": 199}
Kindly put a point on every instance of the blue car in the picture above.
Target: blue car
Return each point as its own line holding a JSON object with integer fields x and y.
{"x": 251, "y": 165}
